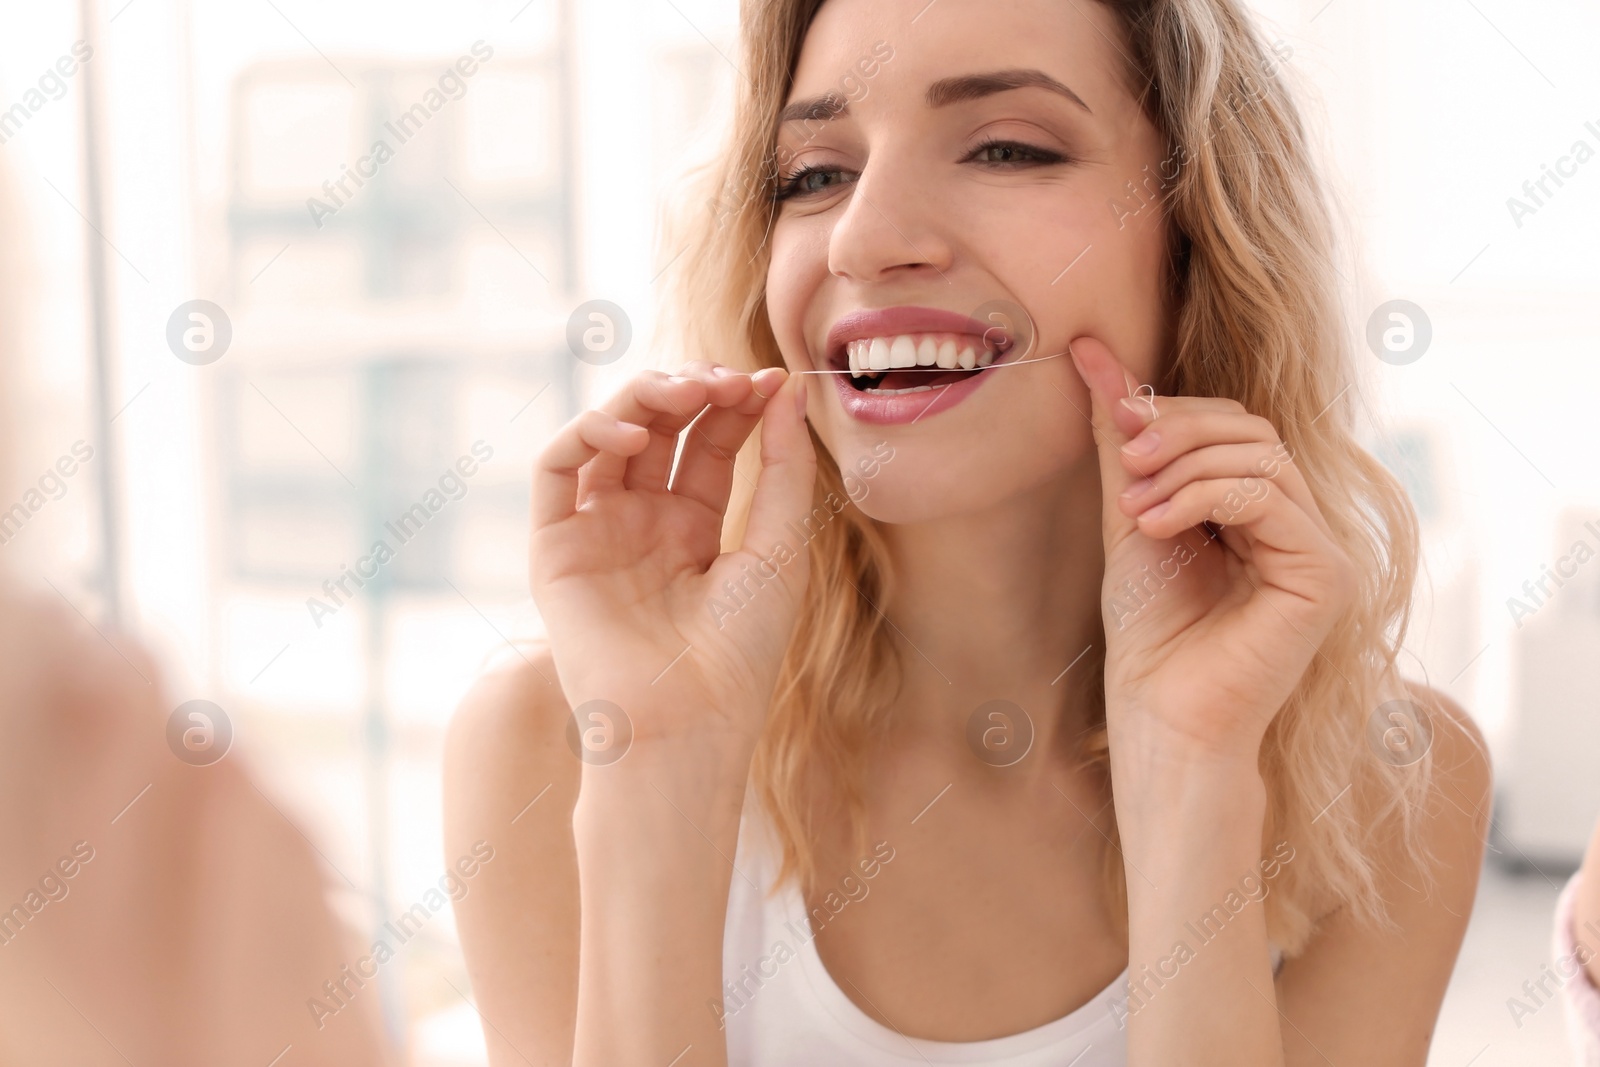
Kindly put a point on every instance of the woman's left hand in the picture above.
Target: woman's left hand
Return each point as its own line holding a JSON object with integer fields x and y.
{"x": 1205, "y": 638}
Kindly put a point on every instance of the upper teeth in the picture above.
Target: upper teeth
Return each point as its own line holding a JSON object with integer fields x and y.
{"x": 870, "y": 355}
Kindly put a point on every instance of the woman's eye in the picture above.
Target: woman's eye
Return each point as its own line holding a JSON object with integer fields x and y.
{"x": 1011, "y": 153}
{"x": 813, "y": 181}
{"x": 808, "y": 181}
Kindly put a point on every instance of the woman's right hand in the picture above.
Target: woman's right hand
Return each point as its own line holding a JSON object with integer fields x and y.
{"x": 626, "y": 569}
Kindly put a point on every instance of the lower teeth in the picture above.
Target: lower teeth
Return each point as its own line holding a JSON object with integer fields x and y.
{"x": 879, "y": 391}
{"x": 902, "y": 392}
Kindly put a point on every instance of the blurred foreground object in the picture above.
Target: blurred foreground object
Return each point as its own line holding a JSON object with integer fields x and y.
{"x": 151, "y": 911}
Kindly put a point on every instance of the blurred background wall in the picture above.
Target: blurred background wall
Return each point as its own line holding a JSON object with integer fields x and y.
{"x": 302, "y": 281}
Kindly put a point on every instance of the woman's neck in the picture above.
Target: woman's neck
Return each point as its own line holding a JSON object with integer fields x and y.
{"x": 1001, "y": 604}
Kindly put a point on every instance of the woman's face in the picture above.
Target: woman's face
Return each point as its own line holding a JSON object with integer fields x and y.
{"x": 939, "y": 193}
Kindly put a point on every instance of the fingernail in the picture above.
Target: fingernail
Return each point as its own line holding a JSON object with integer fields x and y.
{"x": 678, "y": 378}
{"x": 720, "y": 371}
{"x": 1136, "y": 405}
{"x": 1143, "y": 445}
{"x": 1138, "y": 488}
{"x": 1158, "y": 511}
{"x": 767, "y": 381}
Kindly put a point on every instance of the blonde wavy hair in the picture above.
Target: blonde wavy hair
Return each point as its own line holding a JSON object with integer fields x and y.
{"x": 1259, "y": 319}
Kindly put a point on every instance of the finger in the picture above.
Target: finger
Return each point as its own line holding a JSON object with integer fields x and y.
{"x": 723, "y": 385}
{"x": 1282, "y": 544}
{"x": 663, "y": 404}
{"x": 1137, "y": 410}
{"x": 1250, "y": 465}
{"x": 590, "y": 435}
{"x": 1109, "y": 382}
{"x": 1188, "y": 426}
{"x": 1271, "y": 519}
{"x": 788, "y": 475}
{"x": 706, "y": 466}
{"x": 1183, "y": 426}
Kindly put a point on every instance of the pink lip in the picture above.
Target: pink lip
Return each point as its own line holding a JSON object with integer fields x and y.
{"x": 897, "y": 410}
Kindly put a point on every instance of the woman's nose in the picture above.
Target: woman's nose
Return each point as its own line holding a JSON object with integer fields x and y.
{"x": 892, "y": 222}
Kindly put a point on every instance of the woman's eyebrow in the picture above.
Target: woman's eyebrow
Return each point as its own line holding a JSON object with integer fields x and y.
{"x": 943, "y": 92}
{"x": 827, "y": 106}
{"x": 973, "y": 86}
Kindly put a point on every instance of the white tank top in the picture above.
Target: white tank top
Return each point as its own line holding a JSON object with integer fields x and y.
{"x": 781, "y": 1008}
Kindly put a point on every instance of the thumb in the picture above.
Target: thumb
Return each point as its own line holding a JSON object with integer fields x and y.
{"x": 1115, "y": 423}
{"x": 784, "y": 488}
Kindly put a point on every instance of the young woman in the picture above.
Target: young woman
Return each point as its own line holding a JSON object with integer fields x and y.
{"x": 1001, "y": 721}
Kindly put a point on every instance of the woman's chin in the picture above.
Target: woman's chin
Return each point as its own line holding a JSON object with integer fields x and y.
{"x": 902, "y": 496}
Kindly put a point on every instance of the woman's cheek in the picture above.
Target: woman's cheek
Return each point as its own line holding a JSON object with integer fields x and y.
{"x": 785, "y": 300}
{"x": 1104, "y": 281}
{"x": 1030, "y": 248}
{"x": 1048, "y": 254}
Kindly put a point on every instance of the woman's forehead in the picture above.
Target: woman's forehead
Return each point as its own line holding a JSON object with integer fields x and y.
{"x": 1078, "y": 43}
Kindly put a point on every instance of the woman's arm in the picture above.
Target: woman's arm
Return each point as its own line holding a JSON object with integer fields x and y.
{"x": 654, "y": 838}
{"x": 509, "y": 780}
{"x": 629, "y": 867}
{"x": 1192, "y": 686}
{"x": 1197, "y": 948}
{"x": 1199, "y": 839}
{"x": 656, "y": 834}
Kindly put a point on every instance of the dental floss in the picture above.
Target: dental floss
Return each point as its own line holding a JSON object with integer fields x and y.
{"x": 1148, "y": 393}
{"x": 944, "y": 370}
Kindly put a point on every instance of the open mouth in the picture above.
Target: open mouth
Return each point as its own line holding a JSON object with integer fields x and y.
{"x": 918, "y": 362}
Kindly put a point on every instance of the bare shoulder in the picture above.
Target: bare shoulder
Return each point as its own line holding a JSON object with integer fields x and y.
{"x": 512, "y": 718}
{"x": 1453, "y": 822}
{"x": 1395, "y": 979}
{"x": 510, "y": 784}
{"x": 1463, "y": 777}
{"x": 505, "y": 754}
